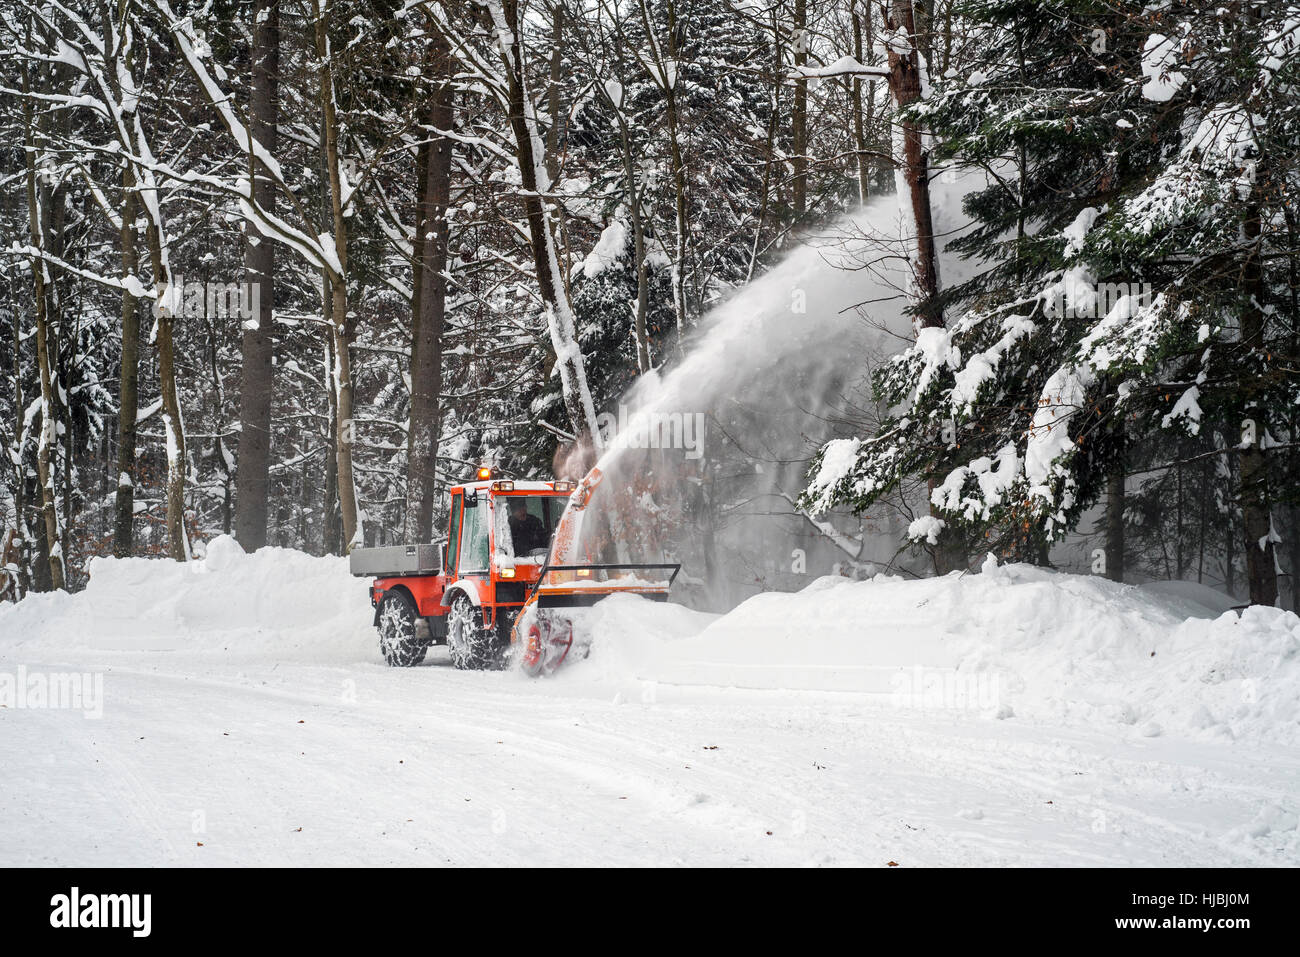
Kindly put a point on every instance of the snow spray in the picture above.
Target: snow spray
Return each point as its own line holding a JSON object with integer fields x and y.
{"x": 772, "y": 373}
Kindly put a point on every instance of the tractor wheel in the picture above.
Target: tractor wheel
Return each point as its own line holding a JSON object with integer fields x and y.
{"x": 397, "y": 634}
{"x": 470, "y": 644}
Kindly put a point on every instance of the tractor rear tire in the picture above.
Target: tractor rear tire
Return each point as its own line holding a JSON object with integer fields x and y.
{"x": 398, "y": 641}
{"x": 472, "y": 646}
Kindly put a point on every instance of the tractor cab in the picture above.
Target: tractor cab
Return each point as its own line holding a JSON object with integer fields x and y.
{"x": 499, "y": 533}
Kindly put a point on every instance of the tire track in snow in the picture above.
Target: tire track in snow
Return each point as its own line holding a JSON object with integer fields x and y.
{"x": 502, "y": 771}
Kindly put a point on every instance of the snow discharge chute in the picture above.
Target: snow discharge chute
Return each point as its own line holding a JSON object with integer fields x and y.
{"x": 568, "y": 533}
{"x": 589, "y": 560}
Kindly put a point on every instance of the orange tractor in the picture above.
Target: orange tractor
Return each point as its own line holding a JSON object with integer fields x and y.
{"x": 513, "y": 573}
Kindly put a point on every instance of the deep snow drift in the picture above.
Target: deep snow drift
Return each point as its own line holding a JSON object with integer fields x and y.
{"x": 276, "y": 602}
{"x": 1013, "y": 641}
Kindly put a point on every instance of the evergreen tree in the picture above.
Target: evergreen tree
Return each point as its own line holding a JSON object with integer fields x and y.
{"x": 1137, "y": 229}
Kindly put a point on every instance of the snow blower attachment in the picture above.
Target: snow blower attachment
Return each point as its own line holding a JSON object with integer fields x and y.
{"x": 553, "y": 618}
{"x": 556, "y": 610}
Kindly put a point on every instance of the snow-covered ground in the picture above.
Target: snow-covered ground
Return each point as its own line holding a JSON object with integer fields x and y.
{"x": 1010, "y": 717}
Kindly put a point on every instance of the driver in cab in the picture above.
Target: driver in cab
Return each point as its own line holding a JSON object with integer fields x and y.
{"x": 526, "y": 530}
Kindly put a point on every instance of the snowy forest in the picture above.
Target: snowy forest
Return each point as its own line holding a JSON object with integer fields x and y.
{"x": 288, "y": 269}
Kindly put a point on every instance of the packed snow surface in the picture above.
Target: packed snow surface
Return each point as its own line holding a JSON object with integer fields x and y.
{"x": 1016, "y": 716}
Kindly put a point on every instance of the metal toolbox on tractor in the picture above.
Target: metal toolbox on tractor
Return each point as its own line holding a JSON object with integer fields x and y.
{"x": 390, "y": 560}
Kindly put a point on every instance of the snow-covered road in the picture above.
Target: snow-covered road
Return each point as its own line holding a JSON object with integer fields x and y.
{"x": 196, "y": 762}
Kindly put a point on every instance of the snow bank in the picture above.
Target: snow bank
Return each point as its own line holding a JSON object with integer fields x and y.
{"x": 276, "y": 600}
{"x": 1014, "y": 641}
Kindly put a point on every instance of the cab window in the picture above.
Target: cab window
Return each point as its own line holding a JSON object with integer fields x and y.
{"x": 474, "y": 536}
{"x": 525, "y": 524}
{"x": 453, "y": 533}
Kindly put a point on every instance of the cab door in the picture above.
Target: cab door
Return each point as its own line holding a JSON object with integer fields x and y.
{"x": 473, "y": 555}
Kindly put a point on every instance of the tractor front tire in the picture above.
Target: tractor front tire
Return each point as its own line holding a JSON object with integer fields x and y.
{"x": 471, "y": 645}
{"x": 398, "y": 641}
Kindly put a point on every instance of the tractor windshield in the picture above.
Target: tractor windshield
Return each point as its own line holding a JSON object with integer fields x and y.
{"x": 524, "y": 524}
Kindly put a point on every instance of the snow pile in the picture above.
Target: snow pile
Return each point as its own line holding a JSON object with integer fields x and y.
{"x": 630, "y": 634}
{"x": 276, "y": 600}
{"x": 1014, "y": 641}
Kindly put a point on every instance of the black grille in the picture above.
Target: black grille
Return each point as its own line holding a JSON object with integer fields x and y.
{"x": 511, "y": 592}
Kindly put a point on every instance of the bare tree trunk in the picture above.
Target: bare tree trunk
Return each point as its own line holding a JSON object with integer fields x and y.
{"x": 1229, "y": 542}
{"x": 1180, "y": 550}
{"x": 632, "y": 196}
{"x": 914, "y": 201}
{"x": 342, "y": 335}
{"x": 56, "y": 208}
{"x": 679, "y": 180}
{"x": 217, "y": 401}
{"x": 331, "y": 527}
{"x": 553, "y": 100}
{"x": 20, "y": 471}
{"x": 167, "y": 300}
{"x": 667, "y": 68}
{"x": 1256, "y": 498}
{"x": 1261, "y": 568}
{"x": 129, "y": 390}
{"x": 430, "y": 250}
{"x": 48, "y": 435}
{"x": 855, "y": 89}
{"x": 923, "y": 12}
{"x": 502, "y": 16}
{"x": 905, "y": 84}
{"x": 769, "y": 157}
{"x": 342, "y": 326}
{"x": 643, "y": 360}
{"x": 1206, "y": 498}
{"x": 799, "y": 112}
{"x": 1291, "y": 473}
{"x": 257, "y": 385}
{"x": 178, "y": 545}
